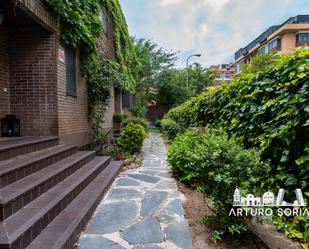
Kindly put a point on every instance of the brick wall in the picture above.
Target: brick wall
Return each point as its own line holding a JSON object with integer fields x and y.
{"x": 72, "y": 111}
{"x": 4, "y": 73}
{"x": 73, "y": 122}
{"x": 33, "y": 80}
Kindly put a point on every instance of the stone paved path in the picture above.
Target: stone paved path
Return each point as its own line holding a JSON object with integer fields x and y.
{"x": 142, "y": 210}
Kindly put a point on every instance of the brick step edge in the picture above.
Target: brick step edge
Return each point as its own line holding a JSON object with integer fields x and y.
{"x": 63, "y": 232}
{"x": 14, "y": 170}
{"x": 33, "y": 188}
{"x": 24, "y": 147}
{"x": 27, "y": 224}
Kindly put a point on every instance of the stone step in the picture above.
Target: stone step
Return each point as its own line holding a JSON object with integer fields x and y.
{"x": 64, "y": 230}
{"x": 16, "y": 168}
{"x": 16, "y": 147}
{"x": 18, "y": 194}
{"x": 19, "y": 230}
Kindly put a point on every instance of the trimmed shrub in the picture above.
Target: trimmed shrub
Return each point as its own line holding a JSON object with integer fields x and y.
{"x": 170, "y": 128}
{"x": 131, "y": 139}
{"x": 216, "y": 165}
{"x": 136, "y": 120}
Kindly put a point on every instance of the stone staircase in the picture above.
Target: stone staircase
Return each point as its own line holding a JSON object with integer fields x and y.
{"x": 48, "y": 191}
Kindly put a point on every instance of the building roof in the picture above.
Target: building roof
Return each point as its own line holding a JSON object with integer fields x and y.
{"x": 263, "y": 37}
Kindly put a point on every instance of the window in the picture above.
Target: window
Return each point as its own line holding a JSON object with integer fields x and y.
{"x": 227, "y": 75}
{"x": 127, "y": 100}
{"x": 263, "y": 50}
{"x": 274, "y": 45}
{"x": 70, "y": 70}
{"x": 302, "y": 39}
{"x": 103, "y": 18}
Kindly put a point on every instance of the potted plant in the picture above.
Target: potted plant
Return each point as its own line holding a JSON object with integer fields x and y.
{"x": 118, "y": 121}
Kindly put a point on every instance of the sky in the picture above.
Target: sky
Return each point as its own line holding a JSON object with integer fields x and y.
{"x": 214, "y": 28}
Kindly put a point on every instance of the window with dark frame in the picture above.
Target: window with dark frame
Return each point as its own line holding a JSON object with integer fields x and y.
{"x": 70, "y": 69}
{"x": 274, "y": 45}
{"x": 302, "y": 39}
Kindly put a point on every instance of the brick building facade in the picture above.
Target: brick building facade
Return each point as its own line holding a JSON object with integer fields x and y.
{"x": 33, "y": 75}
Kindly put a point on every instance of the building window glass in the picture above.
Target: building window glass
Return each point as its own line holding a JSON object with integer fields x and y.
{"x": 227, "y": 75}
{"x": 263, "y": 50}
{"x": 70, "y": 69}
{"x": 302, "y": 39}
{"x": 274, "y": 45}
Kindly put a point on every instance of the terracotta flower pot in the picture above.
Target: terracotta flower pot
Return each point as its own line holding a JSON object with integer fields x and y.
{"x": 120, "y": 158}
{"x": 118, "y": 126}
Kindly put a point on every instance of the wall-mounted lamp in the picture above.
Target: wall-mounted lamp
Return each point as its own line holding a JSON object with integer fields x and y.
{"x": 1, "y": 17}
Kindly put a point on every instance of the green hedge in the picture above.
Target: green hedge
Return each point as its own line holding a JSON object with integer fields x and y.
{"x": 136, "y": 120}
{"x": 170, "y": 128}
{"x": 269, "y": 110}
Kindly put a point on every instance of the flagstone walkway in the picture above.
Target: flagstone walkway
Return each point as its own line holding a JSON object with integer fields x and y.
{"x": 142, "y": 210}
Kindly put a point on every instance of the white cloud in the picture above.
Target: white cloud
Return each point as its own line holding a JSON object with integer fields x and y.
{"x": 214, "y": 28}
{"x": 167, "y": 2}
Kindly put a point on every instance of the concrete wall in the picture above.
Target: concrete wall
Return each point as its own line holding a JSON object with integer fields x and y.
{"x": 288, "y": 42}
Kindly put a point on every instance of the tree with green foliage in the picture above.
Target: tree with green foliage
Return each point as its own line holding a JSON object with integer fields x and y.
{"x": 172, "y": 84}
{"x": 153, "y": 60}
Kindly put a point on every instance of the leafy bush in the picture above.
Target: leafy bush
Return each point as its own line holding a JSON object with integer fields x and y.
{"x": 158, "y": 122}
{"x": 136, "y": 120}
{"x": 170, "y": 128}
{"x": 296, "y": 228}
{"x": 216, "y": 165}
{"x": 131, "y": 139}
{"x": 119, "y": 117}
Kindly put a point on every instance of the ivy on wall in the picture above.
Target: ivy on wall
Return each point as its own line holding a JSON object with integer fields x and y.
{"x": 81, "y": 27}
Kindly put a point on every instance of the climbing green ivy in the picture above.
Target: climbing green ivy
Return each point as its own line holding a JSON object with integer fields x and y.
{"x": 81, "y": 27}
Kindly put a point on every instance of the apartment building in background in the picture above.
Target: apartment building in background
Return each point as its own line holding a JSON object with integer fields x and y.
{"x": 283, "y": 38}
{"x": 223, "y": 72}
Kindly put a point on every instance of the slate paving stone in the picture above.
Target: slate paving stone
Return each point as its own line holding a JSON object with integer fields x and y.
{"x": 123, "y": 194}
{"x": 147, "y": 247}
{"x": 175, "y": 207}
{"x": 167, "y": 175}
{"x": 143, "y": 207}
{"x": 97, "y": 242}
{"x": 145, "y": 232}
{"x": 149, "y": 172}
{"x": 165, "y": 218}
{"x": 144, "y": 178}
{"x": 127, "y": 182}
{"x": 152, "y": 202}
{"x": 178, "y": 232}
{"x": 113, "y": 217}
